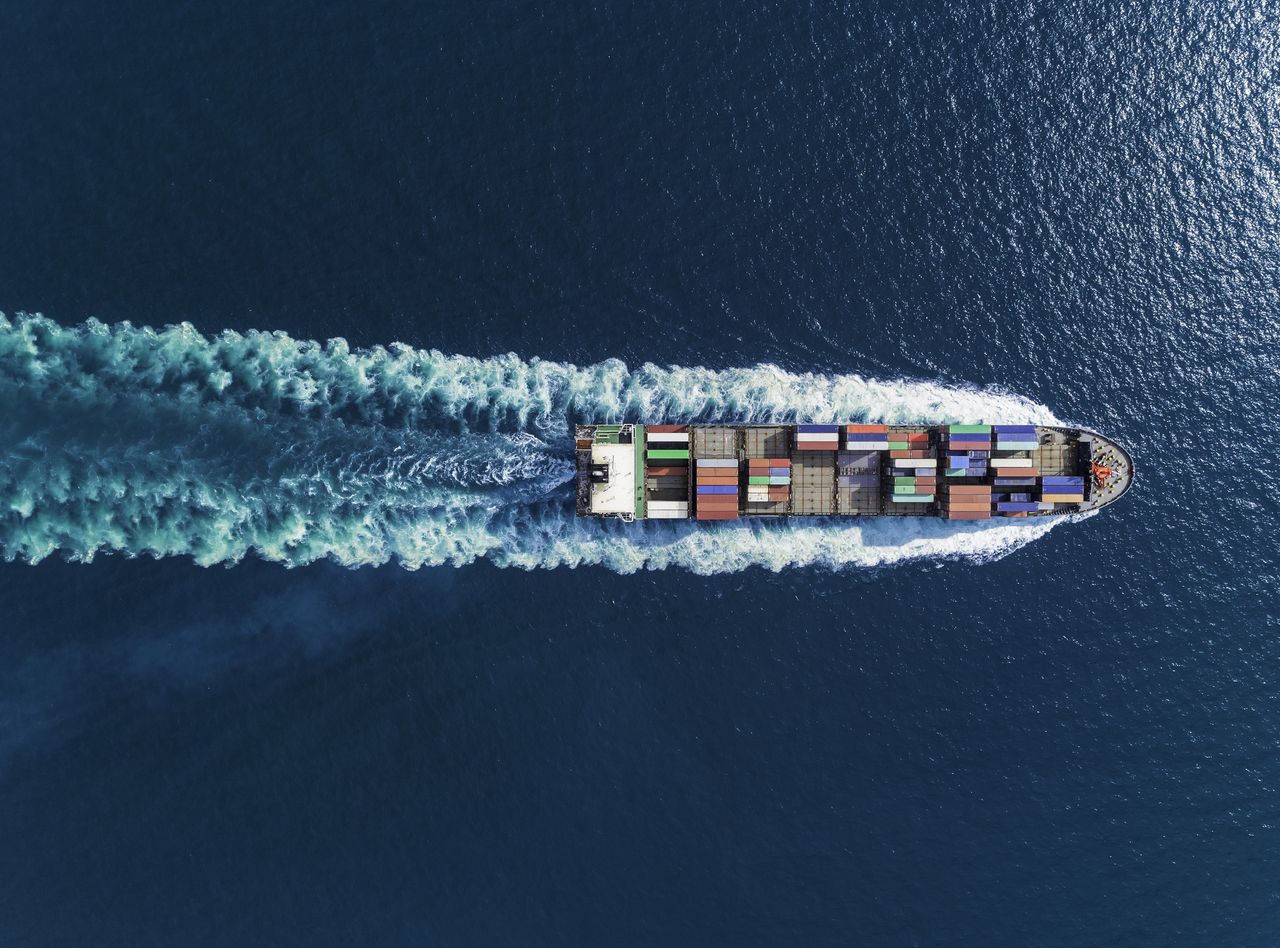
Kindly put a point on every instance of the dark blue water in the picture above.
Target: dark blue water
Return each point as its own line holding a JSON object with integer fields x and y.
{"x": 1075, "y": 744}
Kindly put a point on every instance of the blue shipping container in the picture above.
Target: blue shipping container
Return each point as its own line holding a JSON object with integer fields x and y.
{"x": 1016, "y": 507}
{"x": 818, "y": 429}
{"x": 713, "y": 489}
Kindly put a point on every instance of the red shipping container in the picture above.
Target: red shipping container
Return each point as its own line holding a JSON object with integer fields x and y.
{"x": 866, "y": 429}
{"x": 968, "y": 515}
{"x": 717, "y": 515}
{"x": 666, "y": 429}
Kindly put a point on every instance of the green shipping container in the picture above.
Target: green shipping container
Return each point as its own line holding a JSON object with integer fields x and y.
{"x": 669, "y": 453}
{"x": 969, "y": 429}
{"x": 957, "y": 471}
{"x": 904, "y": 480}
{"x": 758, "y": 480}
{"x": 899, "y": 445}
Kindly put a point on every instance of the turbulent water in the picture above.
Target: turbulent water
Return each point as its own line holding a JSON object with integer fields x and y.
{"x": 132, "y": 440}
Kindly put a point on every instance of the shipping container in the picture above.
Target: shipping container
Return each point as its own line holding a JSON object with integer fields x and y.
{"x": 664, "y": 453}
{"x": 716, "y": 489}
{"x": 717, "y": 515}
{"x": 1016, "y": 505}
{"x": 664, "y": 429}
{"x": 913, "y": 499}
{"x": 866, "y": 429}
{"x": 969, "y": 429}
{"x": 1063, "y": 498}
{"x": 968, "y": 515}
{"x": 1012, "y": 462}
{"x": 717, "y": 462}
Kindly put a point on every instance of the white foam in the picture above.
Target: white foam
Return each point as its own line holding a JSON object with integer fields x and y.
{"x": 143, "y": 442}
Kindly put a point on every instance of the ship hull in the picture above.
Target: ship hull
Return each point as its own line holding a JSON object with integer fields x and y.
{"x": 956, "y": 472}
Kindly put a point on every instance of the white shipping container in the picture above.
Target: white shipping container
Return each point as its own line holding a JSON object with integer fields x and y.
{"x": 667, "y": 515}
{"x": 817, "y": 436}
{"x": 717, "y": 462}
{"x": 916, "y": 462}
{"x": 1012, "y": 462}
{"x": 664, "y": 437}
{"x": 668, "y": 505}
{"x": 866, "y": 445}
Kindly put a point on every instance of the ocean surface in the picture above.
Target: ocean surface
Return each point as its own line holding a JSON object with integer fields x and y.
{"x": 300, "y": 642}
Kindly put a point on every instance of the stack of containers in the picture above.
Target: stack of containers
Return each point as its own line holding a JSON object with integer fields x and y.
{"x": 1016, "y": 468}
{"x": 666, "y": 472}
{"x": 1016, "y": 438}
{"x": 968, "y": 502}
{"x": 717, "y": 489}
{"x": 1062, "y": 490}
{"x": 866, "y": 437}
{"x": 914, "y": 489}
{"x": 909, "y": 451}
{"x": 768, "y": 480}
{"x": 1017, "y": 505}
{"x": 968, "y": 450}
{"x": 817, "y": 437}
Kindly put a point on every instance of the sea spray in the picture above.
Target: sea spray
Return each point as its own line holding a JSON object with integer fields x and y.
{"x": 400, "y": 386}
{"x": 145, "y": 442}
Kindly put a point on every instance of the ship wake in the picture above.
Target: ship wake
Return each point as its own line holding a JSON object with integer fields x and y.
{"x": 119, "y": 439}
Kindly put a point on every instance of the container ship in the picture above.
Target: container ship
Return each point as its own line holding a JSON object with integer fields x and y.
{"x": 956, "y": 472}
